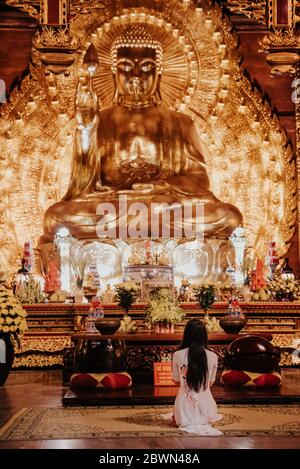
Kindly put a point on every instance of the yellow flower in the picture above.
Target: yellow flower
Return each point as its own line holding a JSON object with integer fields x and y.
{"x": 12, "y": 315}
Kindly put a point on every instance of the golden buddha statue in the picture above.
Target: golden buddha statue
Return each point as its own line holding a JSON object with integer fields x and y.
{"x": 136, "y": 148}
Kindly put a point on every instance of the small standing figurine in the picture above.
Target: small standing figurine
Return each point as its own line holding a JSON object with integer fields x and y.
{"x": 164, "y": 259}
{"x": 272, "y": 258}
{"x": 257, "y": 276}
{"x": 28, "y": 256}
{"x": 149, "y": 259}
{"x": 19, "y": 278}
{"x": 134, "y": 259}
{"x": 52, "y": 279}
{"x": 235, "y": 306}
{"x": 185, "y": 293}
{"x": 108, "y": 296}
{"x": 287, "y": 271}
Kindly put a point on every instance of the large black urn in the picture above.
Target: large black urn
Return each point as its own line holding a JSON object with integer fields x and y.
{"x": 6, "y": 356}
{"x": 252, "y": 353}
{"x": 100, "y": 355}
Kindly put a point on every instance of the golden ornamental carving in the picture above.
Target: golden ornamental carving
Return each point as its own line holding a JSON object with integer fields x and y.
{"x": 77, "y": 7}
{"x": 54, "y": 38}
{"x": 281, "y": 45}
{"x": 249, "y": 162}
{"x": 32, "y": 7}
{"x": 280, "y": 37}
{"x": 56, "y": 47}
{"x": 254, "y": 10}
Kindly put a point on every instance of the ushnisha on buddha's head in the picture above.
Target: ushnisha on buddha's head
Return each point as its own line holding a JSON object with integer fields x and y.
{"x": 137, "y": 66}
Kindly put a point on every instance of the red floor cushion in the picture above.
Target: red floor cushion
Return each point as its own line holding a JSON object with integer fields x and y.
{"x": 239, "y": 379}
{"x": 118, "y": 380}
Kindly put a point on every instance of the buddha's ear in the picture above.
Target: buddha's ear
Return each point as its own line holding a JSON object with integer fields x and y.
{"x": 116, "y": 95}
{"x": 157, "y": 94}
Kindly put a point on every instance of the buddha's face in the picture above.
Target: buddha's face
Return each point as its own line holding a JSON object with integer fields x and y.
{"x": 136, "y": 74}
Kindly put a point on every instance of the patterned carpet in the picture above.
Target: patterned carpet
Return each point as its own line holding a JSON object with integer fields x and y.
{"x": 117, "y": 422}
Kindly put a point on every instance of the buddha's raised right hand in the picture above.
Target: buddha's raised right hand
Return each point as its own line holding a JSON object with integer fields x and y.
{"x": 86, "y": 105}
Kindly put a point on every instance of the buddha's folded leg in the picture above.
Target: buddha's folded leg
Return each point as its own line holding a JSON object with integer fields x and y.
{"x": 162, "y": 216}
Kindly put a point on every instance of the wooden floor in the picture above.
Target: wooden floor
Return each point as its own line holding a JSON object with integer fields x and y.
{"x": 44, "y": 389}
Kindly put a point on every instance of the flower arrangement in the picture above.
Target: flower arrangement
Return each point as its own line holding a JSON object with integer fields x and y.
{"x": 205, "y": 294}
{"x": 30, "y": 291}
{"x": 163, "y": 307}
{"x": 284, "y": 289}
{"x": 12, "y": 315}
{"x": 126, "y": 294}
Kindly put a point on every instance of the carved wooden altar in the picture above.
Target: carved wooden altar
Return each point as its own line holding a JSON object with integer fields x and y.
{"x": 52, "y": 325}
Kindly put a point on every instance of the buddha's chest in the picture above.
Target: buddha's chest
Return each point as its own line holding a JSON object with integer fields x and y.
{"x": 139, "y": 131}
{"x": 139, "y": 145}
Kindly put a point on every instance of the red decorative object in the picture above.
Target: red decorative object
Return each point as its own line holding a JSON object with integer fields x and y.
{"x": 52, "y": 280}
{"x": 239, "y": 379}
{"x": 101, "y": 380}
{"x": 163, "y": 374}
{"x": 257, "y": 276}
{"x": 28, "y": 256}
{"x": 272, "y": 254}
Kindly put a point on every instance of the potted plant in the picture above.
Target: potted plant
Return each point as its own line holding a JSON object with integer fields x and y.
{"x": 205, "y": 295}
{"x": 12, "y": 323}
{"x": 126, "y": 294}
{"x": 164, "y": 311}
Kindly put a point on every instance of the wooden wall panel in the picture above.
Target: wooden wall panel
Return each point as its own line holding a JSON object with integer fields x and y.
{"x": 16, "y": 32}
{"x": 278, "y": 88}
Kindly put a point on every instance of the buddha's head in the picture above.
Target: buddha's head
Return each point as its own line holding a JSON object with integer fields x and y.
{"x": 137, "y": 65}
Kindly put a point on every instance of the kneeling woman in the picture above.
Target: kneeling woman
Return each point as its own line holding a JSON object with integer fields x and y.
{"x": 194, "y": 368}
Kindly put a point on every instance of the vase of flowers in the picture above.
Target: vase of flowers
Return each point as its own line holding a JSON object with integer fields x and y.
{"x": 205, "y": 295}
{"x": 12, "y": 322}
{"x": 163, "y": 311}
{"x": 126, "y": 294}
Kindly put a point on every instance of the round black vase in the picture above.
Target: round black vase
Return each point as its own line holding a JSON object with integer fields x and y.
{"x": 101, "y": 355}
{"x": 9, "y": 357}
{"x": 107, "y": 326}
{"x": 232, "y": 324}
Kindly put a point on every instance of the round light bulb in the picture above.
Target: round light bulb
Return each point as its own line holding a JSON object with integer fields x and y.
{"x": 63, "y": 232}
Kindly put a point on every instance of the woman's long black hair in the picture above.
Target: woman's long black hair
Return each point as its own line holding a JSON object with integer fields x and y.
{"x": 195, "y": 339}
